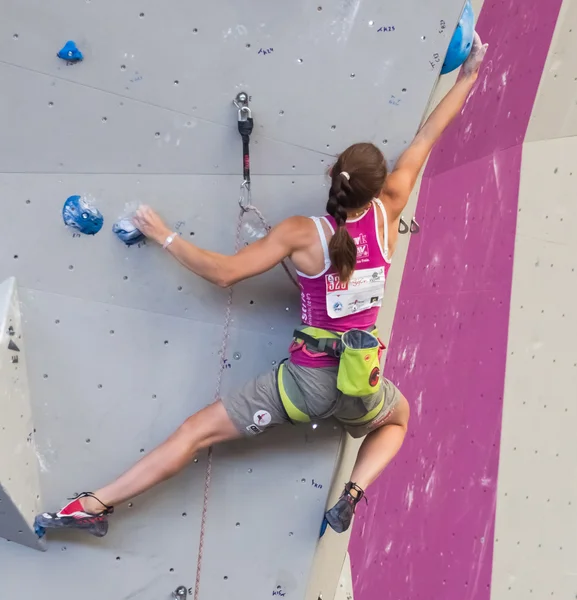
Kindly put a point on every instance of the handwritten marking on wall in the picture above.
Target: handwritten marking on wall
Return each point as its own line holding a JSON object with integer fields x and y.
{"x": 394, "y": 101}
{"x": 317, "y": 485}
{"x": 279, "y": 592}
{"x": 265, "y": 51}
{"x": 442, "y": 26}
{"x": 386, "y": 28}
{"x": 436, "y": 59}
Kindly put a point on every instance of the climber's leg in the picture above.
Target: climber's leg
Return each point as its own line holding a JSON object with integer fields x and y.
{"x": 381, "y": 445}
{"x": 90, "y": 510}
{"x": 384, "y": 438}
{"x": 205, "y": 428}
{"x": 250, "y": 411}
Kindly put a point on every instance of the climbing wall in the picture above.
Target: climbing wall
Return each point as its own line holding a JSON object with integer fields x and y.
{"x": 481, "y": 501}
{"x": 535, "y": 541}
{"x": 20, "y": 498}
{"x": 122, "y": 343}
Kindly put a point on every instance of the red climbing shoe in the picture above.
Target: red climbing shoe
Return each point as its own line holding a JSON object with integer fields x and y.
{"x": 73, "y": 516}
{"x": 339, "y": 517}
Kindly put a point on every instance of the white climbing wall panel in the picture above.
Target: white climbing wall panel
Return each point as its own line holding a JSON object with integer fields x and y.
{"x": 536, "y": 528}
{"x": 19, "y": 469}
{"x": 123, "y": 343}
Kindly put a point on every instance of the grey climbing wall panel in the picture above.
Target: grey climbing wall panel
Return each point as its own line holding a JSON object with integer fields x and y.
{"x": 19, "y": 469}
{"x": 123, "y": 343}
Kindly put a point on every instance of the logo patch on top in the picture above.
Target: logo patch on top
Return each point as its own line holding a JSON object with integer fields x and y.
{"x": 362, "y": 246}
{"x": 262, "y": 418}
{"x": 337, "y": 306}
{"x": 253, "y": 429}
{"x": 374, "y": 377}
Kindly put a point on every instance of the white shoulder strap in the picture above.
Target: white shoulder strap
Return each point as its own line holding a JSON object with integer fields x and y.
{"x": 323, "y": 237}
{"x": 385, "y": 247}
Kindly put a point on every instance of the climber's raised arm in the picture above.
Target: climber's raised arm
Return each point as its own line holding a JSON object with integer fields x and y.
{"x": 400, "y": 183}
{"x": 223, "y": 270}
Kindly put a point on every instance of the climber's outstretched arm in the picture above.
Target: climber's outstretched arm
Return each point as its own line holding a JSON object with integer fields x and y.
{"x": 401, "y": 181}
{"x": 281, "y": 242}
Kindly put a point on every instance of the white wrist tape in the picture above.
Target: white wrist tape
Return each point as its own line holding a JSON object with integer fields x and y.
{"x": 169, "y": 240}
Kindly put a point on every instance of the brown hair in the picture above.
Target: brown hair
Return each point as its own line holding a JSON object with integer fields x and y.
{"x": 366, "y": 167}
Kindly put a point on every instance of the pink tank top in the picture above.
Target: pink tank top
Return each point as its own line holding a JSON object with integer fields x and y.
{"x": 328, "y": 304}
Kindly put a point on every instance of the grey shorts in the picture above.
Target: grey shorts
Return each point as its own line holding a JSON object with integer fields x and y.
{"x": 314, "y": 394}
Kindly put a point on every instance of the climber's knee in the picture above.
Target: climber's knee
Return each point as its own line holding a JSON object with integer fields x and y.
{"x": 208, "y": 426}
{"x": 401, "y": 414}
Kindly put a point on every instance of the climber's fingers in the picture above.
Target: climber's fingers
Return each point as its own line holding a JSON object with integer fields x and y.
{"x": 475, "y": 59}
{"x": 150, "y": 224}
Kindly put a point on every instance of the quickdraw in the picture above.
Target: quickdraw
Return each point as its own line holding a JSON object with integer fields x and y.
{"x": 245, "y": 125}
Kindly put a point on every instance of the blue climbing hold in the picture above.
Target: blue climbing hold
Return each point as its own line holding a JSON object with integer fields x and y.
{"x": 324, "y": 526}
{"x": 127, "y": 232}
{"x": 39, "y": 530}
{"x": 462, "y": 42}
{"x": 80, "y": 215}
{"x": 70, "y": 52}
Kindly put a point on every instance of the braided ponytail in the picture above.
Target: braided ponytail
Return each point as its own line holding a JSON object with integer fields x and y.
{"x": 357, "y": 177}
{"x": 342, "y": 249}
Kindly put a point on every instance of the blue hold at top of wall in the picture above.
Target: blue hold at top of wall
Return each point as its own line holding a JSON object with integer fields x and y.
{"x": 70, "y": 52}
{"x": 462, "y": 41}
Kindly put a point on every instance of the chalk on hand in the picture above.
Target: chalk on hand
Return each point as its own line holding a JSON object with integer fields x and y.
{"x": 70, "y": 52}
{"x": 127, "y": 232}
{"x": 80, "y": 215}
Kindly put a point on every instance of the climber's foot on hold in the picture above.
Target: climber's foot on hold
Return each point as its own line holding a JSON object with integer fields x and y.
{"x": 73, "y": 516}
{"x": 339, "y": 517}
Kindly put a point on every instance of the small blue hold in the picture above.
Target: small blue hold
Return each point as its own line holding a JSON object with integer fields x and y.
{"x": 39, "y": 530}
{"x": 70, "y": 52}
{"x": 462, "y": 41}
{"x": 324, "y": 526}
{"x": 77, "y": 213}
{"x": 127, "y": 232}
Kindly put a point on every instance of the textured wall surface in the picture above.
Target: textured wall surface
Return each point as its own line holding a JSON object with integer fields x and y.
{"x": 428, "y": 531}
{"x": 20, "y": 497}
{"x": 536, "y": 527}
{"x": 123, "y": 343}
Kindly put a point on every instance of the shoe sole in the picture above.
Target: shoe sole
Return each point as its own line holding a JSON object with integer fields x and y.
{"x": 41, "y": 524}
{"x": 335, "y": 525}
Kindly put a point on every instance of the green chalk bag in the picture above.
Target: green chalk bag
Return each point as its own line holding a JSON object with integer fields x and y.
{"x": 359, "y": 364}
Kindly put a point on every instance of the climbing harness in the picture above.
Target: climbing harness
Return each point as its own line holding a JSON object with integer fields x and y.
{"x": 245, "y": 125}
{"x": 404, "y": 228}
{"x": 358, "y": 351}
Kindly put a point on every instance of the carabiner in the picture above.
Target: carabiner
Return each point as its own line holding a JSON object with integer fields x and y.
{"x": 180, "y": 593}
{"x": 403, "y": 227}
{"x": 244, "y": 200}
{"x": 415, "y": 228}
{"x": 241, "y": 102}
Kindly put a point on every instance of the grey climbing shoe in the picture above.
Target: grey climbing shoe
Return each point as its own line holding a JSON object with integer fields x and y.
{"x": 339, "y": 517}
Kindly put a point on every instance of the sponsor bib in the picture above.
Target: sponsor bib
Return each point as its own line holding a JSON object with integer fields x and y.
{"x": 364, "y": 290}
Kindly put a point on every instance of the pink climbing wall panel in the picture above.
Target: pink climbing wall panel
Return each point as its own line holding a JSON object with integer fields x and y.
{"x": 427, "y": 532}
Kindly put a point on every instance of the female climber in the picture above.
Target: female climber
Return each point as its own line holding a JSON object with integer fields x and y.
{"x": 342, "y": 260}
